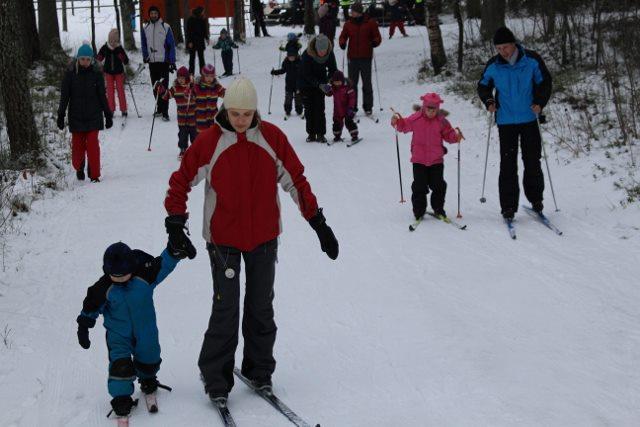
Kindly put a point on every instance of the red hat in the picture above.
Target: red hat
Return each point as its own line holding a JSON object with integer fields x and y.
{"x": 338, "y": 76}
{"x": 183, "y": 72}
{"x": 431, "y": 99}
{"x": 208, "y": 70}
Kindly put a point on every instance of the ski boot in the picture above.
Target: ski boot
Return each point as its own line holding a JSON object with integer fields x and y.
{"x": 218, "y": 398}
{"x": 311, "y": 138}
{"x": 122, "y": 405}
{"x": 537, "y": 206}
{"x": 321, "y": 139}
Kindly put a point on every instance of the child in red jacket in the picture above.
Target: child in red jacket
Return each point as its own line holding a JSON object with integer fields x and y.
{"x": 182, "y": 91}
{"x": 344, "y": 104}
{"x": 207, "y": 92}
{"x": 429, "y": 128}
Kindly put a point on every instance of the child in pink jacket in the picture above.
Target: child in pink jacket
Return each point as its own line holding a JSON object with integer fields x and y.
{"x": 429, "y": 127}
{"x": 344, "y": 106}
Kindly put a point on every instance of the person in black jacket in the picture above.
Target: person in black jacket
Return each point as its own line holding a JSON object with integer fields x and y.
{"x": 197, "y": 34}
{"x": 114, "y": 58}
{"x": 317, "y": 64}
{"x": 257, "y": 9}
{"x": 291, "y": 66}
{"x": 83, "y": 92}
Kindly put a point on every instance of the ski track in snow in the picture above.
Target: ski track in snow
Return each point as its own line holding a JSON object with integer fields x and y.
{"x": 435, "y": 327}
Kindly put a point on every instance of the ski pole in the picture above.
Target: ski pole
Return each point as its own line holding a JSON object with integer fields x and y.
{"x": 271, "y": 88}
{"x": 238, "y": 55}
{"x": 375, "y": 67}
{"x": 153, "y": 121}
{"x": 398, "y": 156}
{"x": 546, "y": 161}
{"x": 133, "y": 98}
{"x": 486, "y": 158}
{"x": 459, "y": 215}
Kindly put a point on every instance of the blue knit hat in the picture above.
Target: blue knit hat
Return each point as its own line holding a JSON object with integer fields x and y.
{"x": 85, "y": 51}
{"x": 292, "y": 37}
{"x": 119, "y": 260}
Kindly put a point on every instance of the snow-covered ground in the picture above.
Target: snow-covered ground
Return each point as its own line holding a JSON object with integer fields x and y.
{"x": 438, "y": 327}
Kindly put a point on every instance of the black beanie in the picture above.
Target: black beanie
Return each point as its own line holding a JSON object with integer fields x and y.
{"x": 503, "y": 35}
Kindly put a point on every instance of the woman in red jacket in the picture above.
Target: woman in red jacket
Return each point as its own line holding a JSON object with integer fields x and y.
{"x": 242, "y": 159}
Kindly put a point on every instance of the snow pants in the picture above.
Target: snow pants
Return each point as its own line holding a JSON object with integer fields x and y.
{"x": 160, "y": 72}
{"x": 192, "y": 59}
{"x": 289, "y": 97}
{"x": 85, "y": 144}
{"x": 362, "y": 68}
{"x": 340, "y": 122}
{"x": 122, "y": 369}
{"x": 427, "y": 178}
{"x": 533, "y": 180}
{"x": 186, "y": 134}
{"x": 394, "y": 25}
{"x": 217, "y": 357}
{"x": 115, "y": 83}
{"x": 260, "y": 24}
{"x": 227, "y": 61}
{"x": 313, "y": 100}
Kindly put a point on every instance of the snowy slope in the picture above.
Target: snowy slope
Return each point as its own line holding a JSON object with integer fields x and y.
{"x": 431, "y": 328}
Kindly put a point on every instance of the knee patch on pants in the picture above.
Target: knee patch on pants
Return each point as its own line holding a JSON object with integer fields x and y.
{"x": 122, "y": 369}
{"x": 149, "y": 369}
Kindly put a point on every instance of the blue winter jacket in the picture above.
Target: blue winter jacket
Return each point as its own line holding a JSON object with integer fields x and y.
{"x": 517, "y": 86}
{"x": 128, "y": 307}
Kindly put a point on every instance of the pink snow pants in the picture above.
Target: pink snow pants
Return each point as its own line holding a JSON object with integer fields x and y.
{"x": 115, "y": 82}
{"x": 86, "y": 144}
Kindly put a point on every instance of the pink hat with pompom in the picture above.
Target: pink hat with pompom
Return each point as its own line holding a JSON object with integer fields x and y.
{"x": 431, "y": 99}
{"x": 208, "y": 70}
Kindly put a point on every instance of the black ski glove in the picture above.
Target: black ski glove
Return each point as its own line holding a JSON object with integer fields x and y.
{"x": 328, "y": 241}
{"x": 172, "y": 68}
{"x": 60, "y": 122}
{"x": 84, "y": 323}
{"x": 179, "y": 245}
{"x": 108, "y": 122}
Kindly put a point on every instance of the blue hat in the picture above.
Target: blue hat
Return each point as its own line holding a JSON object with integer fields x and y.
{"x": 119, "y": 260}
{"x": 292, "y": 36}
{"x": 85, "y": 51}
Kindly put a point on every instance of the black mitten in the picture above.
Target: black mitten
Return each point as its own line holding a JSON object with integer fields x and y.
{"x": 179, "y": 244}
{"x": 328, "y": 241}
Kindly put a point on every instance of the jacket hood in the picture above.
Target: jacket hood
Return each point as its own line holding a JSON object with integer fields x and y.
{"x": 311, "y": 50}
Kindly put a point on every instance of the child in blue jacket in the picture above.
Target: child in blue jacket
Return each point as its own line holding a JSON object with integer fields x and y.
{"x": 124, "y": 296}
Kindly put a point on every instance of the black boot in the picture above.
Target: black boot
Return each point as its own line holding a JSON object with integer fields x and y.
{"x": 219, "y": 398}
{"x": 537, "y": 206}
{"x": 148, "y": 385}
{"x": 311, "y": 138}
{"x": 122, "y": 405}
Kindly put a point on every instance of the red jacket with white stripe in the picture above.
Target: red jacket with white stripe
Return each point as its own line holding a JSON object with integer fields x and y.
{"x": 242, "y": 172}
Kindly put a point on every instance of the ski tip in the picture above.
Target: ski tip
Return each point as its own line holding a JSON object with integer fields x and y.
{"x": 411, "y": 228}
{"x": 153, "y": 409}
{"x": 463, "y": 227}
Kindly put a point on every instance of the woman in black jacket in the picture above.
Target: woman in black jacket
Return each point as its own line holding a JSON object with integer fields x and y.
{"x": 197, "y": 34}
{"x": 317, "y": 64}
{"x": 114, "y": 59}
{"x": 83, "y": 92}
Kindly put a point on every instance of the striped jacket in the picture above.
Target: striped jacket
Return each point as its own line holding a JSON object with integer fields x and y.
{"x": 242, "y": 172}
{"x": 185, "y": 102}
{"x": 207, "y": 95}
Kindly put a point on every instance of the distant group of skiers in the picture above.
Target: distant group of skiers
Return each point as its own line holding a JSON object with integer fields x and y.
{"x": 242, "y": 158}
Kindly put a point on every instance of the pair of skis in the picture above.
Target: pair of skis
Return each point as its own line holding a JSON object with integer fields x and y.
{"x": 413, "y": 226}
{"x": 371, "y": 117}
{"x": 538, "y": 216}
{"x": 152, "y": 406}
{"x": 349, "y": 144}
{"x": 267, "y": 395}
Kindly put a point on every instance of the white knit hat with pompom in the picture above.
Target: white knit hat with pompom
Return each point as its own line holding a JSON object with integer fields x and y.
{"x": 241, "y": 94}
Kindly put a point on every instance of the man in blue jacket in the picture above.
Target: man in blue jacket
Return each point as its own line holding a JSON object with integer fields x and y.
{"x": 516, "y": 85}
{"x": 159, "y": 51}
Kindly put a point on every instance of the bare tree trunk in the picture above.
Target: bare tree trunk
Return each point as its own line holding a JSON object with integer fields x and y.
{"x": 115, "y": 6}
{"x": 93, "y": 29}
{"x": 126, "y": 9}
{"x": 21, "y": 127}
{"x": 309, "y": 18}
{"x": 474, "y": 9}
{"x": 239, "y": 30}
{"x": 29, "y": 31}
{"x": 457, "y": 13}
{"x": 65, "y": 27}
{"x": 549, "y": 13}
{"x": 438, "y": 54}
{"x": 186, "y": 12}
{"x": 173, "y": 19}
{"x": 49, "y": 33}
{"x": 493, "y": 12}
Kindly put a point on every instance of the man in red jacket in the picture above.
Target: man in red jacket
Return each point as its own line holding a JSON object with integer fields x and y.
{"x": 243, "y": 159}
{"x": 363, "y": 35}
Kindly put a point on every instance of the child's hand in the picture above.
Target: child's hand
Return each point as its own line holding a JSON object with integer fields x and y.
{"x": 83, "y": 337}
{"x": 394, "y": 119}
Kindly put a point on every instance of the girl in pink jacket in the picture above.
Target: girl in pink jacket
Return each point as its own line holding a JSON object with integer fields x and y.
{"x": 429, "y": 127}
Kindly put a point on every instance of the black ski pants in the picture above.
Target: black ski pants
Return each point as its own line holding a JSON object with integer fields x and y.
{"x": 259, "y": 23}
{"x": 291, "y": 96}
{"x": 340, "y": 122}
{"x": 362, "y": 68}
{"x": 427, "y": 178}
{"x": 186, "y": 134}
{"x": 313, "y": 100}
{"x": 192, "y": 60}
{"x": 227, "y": 61}
{"x": 217, "y": 357}
{"x": 533, "y": 180}
{"x": 159, "y": 71}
